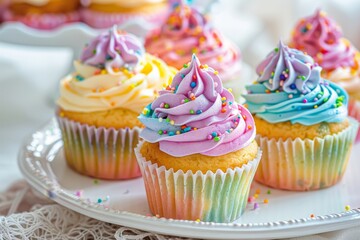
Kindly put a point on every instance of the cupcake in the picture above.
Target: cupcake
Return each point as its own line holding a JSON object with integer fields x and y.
{"x": 302, "y": 123}
{"x": 320, "y": 37}
{"x": 187, "y": 31}
{"x": 199, "y": 153}
{"x": 104, "y": 14}
{"x": 42, "y": 14}
{"x": 99, "y": 104}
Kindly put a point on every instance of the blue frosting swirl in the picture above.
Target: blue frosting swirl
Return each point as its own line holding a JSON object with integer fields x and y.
{"x": 289, "y": 88}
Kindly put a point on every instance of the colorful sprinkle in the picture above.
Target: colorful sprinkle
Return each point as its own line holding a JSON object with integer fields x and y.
{"x": 258, "y": 191}
{"x": 251, "y": 199}
{"x": 185, "y": 65}
{"x": 99, "y": 200}
{"x": 347, "y": 208}
{"x": 268, "y": 191}
{"x": 167, "y": 105}
{"x": 199, "y": 111}
{"x": 96, "y": 181}
{"x": 193, "y": 84}
{"x": 192, "y": 111}
{"x": 256, "y": 206}
{"x": 51, "y": 194}
{"x": 312, "y": 215}
{"x": 216, "y": 72}
{"x": 305, "y": 100}
{"x": 160, "y": 132}
{"x": 266, "y": 201}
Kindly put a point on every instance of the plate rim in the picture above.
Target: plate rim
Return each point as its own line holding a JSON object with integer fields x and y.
{"x": 184, "y": 228}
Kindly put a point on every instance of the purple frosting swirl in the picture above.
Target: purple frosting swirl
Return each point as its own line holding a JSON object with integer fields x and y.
{"x": 289, "y": 69}
{"x": 113, "y": 49}
{"x": 197, "y": 115}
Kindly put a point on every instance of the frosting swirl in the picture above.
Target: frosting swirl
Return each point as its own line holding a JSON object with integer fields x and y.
{"x": 187, "y": 31}
{"x": 289, "y": 88}
{"x": 197, "y": 115}
{"x": 129, "y": 79}
{"x": 322, "y": 38}
{"x": 113, "y": 49}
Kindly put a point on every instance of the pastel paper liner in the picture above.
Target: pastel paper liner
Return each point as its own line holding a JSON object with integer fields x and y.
{"x": 354, "y": 111}
{"x": 44, "y": 21}
{"x": 105, "y": 20}
{"x": 211, "y": 197}
{"x": 305, "y": 164}
{"x": 99, "y": 152}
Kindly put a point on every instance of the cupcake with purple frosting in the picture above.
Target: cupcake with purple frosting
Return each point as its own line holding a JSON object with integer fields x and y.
{"x": 302, "y": 123}
{"x": 99, "y": 104}
{"x": 199, "y": 153}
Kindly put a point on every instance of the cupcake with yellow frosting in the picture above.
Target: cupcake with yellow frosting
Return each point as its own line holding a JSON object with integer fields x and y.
{"x": 42, "y": 14}
{"x": 105, "y": 13}
{"x": 302, "y": 123}
{"x": 99, "y": 104}
{"x": 199, "y": 153}
{"x": 321, "y": 37}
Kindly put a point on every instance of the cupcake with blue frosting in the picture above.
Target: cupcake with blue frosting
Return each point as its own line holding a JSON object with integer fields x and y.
{"x": 302, "y": 123}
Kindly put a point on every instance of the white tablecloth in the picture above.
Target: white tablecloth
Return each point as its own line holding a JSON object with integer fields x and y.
{"x": 28, "y": 85}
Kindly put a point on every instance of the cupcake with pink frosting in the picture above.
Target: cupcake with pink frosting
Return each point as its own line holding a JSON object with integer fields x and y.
{"x": 187, "y": 31}
{"x": 99, "y": 103}
{"x": 42, "y": 14}
{"x": 197, "y": 135}
{"x": 321, "y": 37}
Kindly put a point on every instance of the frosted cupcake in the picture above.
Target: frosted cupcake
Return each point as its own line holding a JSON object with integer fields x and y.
{"x": 42, "y": 14}
{"x": 105, "y": 13}
{"x": 321, "y": 38}
{"x": 199, "y": 155}
{"x": 302, "y": 123}
{"x": 186, "y": 32}
{"x": 99, "y": 104}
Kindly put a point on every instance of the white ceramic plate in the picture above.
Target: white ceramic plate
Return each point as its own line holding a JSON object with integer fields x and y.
{"x": 287, "y": 214}
{"x": 73, "y": 35}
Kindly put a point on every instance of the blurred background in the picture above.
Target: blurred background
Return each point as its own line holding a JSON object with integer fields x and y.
{"x": 29, "y": 74}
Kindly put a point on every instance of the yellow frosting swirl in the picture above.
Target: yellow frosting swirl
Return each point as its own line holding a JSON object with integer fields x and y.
{"x": 98, "y": 90}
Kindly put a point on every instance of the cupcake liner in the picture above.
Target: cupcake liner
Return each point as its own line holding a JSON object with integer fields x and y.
{"x": 305, "y": 164}
{"x": 44, "y": 21}
{"x": 104, "y": 153}
{"x": 105, "y": 20}
{"x": 354, "y": 111}
{"x": 211, "y": 197}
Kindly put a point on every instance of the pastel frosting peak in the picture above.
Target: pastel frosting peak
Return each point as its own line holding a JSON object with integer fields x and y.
{"x": 114, "y": 50}
{"x": 188, "y": 31}
{"x": 321, "y": 37}
{"x": 288, "y": 69}
{"x": 195, "y": 114}
{"x": 290, "y": 88}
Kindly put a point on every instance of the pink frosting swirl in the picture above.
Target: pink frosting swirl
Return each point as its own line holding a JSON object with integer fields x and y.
{"x": 197, "y": 115}
{"x": 187, "y": 31}
{"x": 321, "y": 37}
{"x": 113, "y": 49}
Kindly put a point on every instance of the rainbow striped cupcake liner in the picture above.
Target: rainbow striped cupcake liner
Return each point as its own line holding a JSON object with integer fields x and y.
{"x": 211, "y": 197}
{"x": 354, "y": 111}
{"x": 104, "y": 153}
{"x": 305, "y": 164}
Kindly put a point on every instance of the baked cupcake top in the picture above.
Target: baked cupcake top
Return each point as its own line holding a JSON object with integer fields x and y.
{"x": 290, "y": 88}
{"x": 187, "y": 31}
{"x": 113, "y": 72}
{"x": 321, "y": 37}
{"x": 195, "y": 114}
